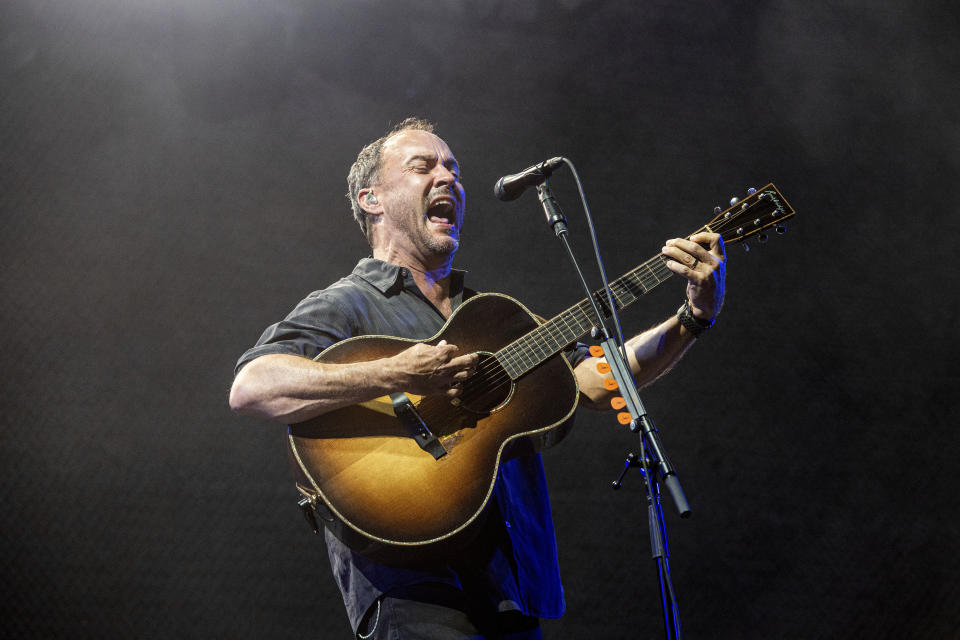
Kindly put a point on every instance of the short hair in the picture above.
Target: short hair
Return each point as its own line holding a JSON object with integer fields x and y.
{"x": 365, "y": 171}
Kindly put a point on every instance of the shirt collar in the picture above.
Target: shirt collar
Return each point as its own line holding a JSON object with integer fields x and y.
{"x": 384, "y": 276}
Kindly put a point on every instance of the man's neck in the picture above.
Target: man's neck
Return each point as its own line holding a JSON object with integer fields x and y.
{"x": 432, "y": 280}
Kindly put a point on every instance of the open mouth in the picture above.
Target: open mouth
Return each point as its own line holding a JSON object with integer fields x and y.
{"x": 442, "y": 211}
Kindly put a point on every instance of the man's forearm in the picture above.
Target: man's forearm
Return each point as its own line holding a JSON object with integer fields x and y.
{"x": 657, "y": 349}
{"x": 651, "y": 354}
{"x": 290, "y": 389}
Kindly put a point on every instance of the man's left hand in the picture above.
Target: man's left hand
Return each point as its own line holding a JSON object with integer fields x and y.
{"x": 704, "y": 269}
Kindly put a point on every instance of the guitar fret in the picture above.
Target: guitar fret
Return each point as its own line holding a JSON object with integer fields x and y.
{"x": 552, "y": 336}
{"x": 548, "y": 339}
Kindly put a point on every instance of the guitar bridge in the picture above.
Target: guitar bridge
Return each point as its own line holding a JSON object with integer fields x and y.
{"x": 418, "y": 429}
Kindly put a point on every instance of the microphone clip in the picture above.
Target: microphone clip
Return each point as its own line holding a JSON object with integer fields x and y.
{"x": 551, "y": 208}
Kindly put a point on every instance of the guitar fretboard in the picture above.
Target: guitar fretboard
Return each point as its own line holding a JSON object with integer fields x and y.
{"x": 760, "y": 210}
{"x": 553, "y": 336}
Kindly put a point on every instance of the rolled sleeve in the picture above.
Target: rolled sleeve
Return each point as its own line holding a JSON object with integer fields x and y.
{"x": 315, "y": 323}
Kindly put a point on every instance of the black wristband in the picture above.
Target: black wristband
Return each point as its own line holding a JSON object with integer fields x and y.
{"x": 690, "y": 322}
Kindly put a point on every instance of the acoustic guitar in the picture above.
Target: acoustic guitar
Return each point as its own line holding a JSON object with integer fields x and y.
{"x": 402, "y": 478}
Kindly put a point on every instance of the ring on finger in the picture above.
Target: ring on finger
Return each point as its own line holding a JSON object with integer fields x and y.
{"x": 695, "y": 262}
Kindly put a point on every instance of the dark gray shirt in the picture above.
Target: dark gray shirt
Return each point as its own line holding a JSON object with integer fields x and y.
{"x": 522, "y": 572}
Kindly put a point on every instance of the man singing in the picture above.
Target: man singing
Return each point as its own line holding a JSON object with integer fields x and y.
{"x": 406, "y": 194}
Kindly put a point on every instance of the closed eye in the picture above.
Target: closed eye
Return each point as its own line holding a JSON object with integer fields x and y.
{"x": 425, "y": 164}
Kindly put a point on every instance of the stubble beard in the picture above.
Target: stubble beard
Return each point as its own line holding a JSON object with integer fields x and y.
{"x": 416, "y": 227}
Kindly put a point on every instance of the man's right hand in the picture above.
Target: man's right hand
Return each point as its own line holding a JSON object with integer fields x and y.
{"x": 425, "y": 369}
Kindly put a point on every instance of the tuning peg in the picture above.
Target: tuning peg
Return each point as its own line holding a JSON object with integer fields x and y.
{"x": 734, "y": 201}
{"x": 780, "y": 228}
{"x": 751, "y": 191}
{"x": 746, "y": 248}
{"x": 762, "y": 238}
{"x": 717, "y": 210}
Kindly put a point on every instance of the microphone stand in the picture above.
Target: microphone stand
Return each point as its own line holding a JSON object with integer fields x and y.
{"x": 652, "y": 454}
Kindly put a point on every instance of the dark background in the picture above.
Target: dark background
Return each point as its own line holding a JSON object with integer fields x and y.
{"x": 171, "y": 183}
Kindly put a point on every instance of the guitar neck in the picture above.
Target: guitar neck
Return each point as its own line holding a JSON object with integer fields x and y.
{"x": 759, "y": 211}
{"x": 554, "y": 335}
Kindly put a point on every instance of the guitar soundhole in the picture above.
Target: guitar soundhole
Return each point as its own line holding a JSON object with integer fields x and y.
{"x": 489, "y": 389}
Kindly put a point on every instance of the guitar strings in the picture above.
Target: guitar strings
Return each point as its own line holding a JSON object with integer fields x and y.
{"x": 492, "y": 375}
{"x": 620, "y": 296}
{"x": 723, "y": 224}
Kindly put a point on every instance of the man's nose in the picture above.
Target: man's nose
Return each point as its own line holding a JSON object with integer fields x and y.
{"x": 444, "y": 177}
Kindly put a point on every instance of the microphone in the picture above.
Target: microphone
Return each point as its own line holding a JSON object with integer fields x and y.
{"x": 510, "y": 187}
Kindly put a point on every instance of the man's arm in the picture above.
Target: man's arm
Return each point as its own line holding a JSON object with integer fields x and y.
{"x": 653, "y": 352}
{"x": 289, "y": 388}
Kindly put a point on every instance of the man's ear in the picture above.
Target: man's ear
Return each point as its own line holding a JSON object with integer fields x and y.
{"x": 369, "y": 202}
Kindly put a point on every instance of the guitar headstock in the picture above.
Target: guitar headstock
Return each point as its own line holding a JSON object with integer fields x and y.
{"x": 758, "y": 211}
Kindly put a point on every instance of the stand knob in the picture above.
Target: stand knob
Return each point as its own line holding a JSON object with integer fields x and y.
{"x": 629, "y": 462}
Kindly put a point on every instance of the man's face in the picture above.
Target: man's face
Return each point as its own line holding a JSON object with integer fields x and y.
{"x": 423, "y": 200}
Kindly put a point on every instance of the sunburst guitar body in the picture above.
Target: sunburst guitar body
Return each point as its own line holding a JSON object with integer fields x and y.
{"x": 406, "y": 479}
